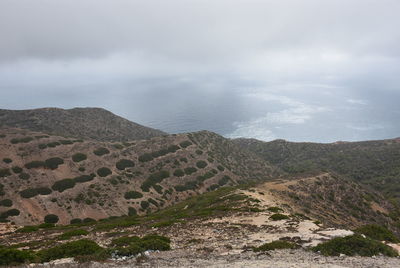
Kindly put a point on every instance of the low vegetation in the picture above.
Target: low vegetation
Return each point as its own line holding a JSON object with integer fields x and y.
{"x": 78, "y": 157}
{"x": 354, "y": 245}
{"x": 101, "y": 151}
{"x": 377, "y": 232}
{"x": 124, "y": 163}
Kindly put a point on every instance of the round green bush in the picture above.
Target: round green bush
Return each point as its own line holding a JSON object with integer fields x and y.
{"x": 185, "y": 144}
{"x": 51, "y": 218}
{"x": 35, "y": 164}
{"x": 104, "y": 172}
{"x": 84, "y": 178}
{"x": 6, "y": 203}
{"x": 124, "y": 163}
{"x": 144, "y": 204}
{"x": 145, "y": 157}
{"x": 190, "y": 170}
{"x": 63, "y": 185}
{"x": 75, "y": 221}
{"x": 29, "y": 193}
{"x": 132, "y": 211}
{"x": 11, "y": 212}
{"x": 278, "y": 217}
{"x": 101, "y": 151}
{"x": 88, "y": 220}
{"x": 16, "y": 170}
{"x": 179, "y": 173}
{"x": 43, "y": 190}
{"x": 78, "y": 157}
{"x": 7, "y": 160}
{"x": 54, "y": 162}
{"x": 201, "y": 164}
{"x": 133, "y": 195}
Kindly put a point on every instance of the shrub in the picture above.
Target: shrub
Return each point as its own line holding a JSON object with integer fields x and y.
{"x": 133, "y": 195}
{"x": 224, "y": 180}
{"x": 69, "y": 234}
{"x": 16, "y": 170}
{"x": 278, "y": 244}
{"x": 11, "y": 256}
{"x": 4, "y": 172}
{"x": 2, "y": 190}
{"x": 35, "y": 164}
{"x": 101, "y": 151}
{"x": 51, "y": 218}
{"x": 81, "y": 247}
{"x": 6, "y": 203}
{"x": 158, "y": 188}
{"x": 66, "y": 142}
{"x": 124, "y": 163}
{"x": 104, "y": 172}
{"x": 190, "y": 185}
{"x": 21, "y": 140}
{"x": 28, "y": 229}
{"x": 24, "y": 176}
{"x": 144, "y": 204}
{"x": 173, "y": 148}
{"x": 278, "y": 217}
{"x": 53, "y": 144}
{"x": 75, "y": 221}
{"x": 275, "y": 209}
{"x": 7, "y": 160}
{"x": 190, "y": 170}
{"x": 201, "y": 164}
{"x": 153, "y": 179}
{"x": 152, "y": 201}
{"x": 118, "y": 146}
{"x": 31, "y": 192}
{"x": 220, "y": 168}
{"x": 146, "y": 157}
{"x": 10, "y": 212}
{"x": 78, "y": 157}
{"x": 179, "y": 173}
{"x": 354, "y": 245}
{"x": 88, "y": 220}
{"x": 54, "y": 162}
{"x": 377, "y": 232}
{"x": 132, "y": 211}
{"x": 84, "y": 178}
{"x": 133, "y": 245}
{"x": 63, "y": 185}
{"x": 42, "y": 146}
{"x": 185, "y": 144}
{"x": 213, "y": 187}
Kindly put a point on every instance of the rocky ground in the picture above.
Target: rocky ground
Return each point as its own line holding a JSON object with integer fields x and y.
{"x": 228, "y": 241}
{"x": 298, "y": 258}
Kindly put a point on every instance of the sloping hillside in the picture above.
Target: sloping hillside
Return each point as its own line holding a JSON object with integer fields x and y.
{"x": 373, "y": 163}
{"x": 42, "y": 174}
{"x": 82, "y": 123}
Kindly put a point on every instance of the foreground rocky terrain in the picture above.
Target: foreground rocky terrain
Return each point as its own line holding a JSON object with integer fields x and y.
{"x": 223, "y": 239}
{"x": 119, "y": 194}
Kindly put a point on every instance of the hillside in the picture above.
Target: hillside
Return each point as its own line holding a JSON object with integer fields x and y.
{"x": 373, "y": 163}
{"x": 81, "y": 123}
{"x": 42, "y": 174}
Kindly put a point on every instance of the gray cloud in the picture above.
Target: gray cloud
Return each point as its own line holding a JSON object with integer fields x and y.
{"x": 299, "y": 70}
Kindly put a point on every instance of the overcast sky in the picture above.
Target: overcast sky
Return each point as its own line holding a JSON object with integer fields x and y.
{"x": 300, "y": 70}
